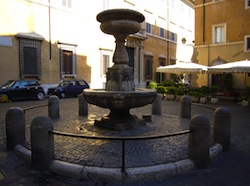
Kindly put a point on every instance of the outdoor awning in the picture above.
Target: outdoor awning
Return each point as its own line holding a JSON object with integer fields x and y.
{"x": 183, "y": 67}
{"x": 231, "y": 67}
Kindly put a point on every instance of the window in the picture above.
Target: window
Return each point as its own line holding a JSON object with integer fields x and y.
{"x": 219, "y": 33}
{"x": 30, "y": 60}
{"x": 67, "y": 60}
{"x": 247, "y": 43}
{"x": 21, "y": 84}
{"x": 172, "y": 4}
{"x": 67, "y": 3}
{"x": 172, "y": 61}
{"x": 162, "y": 32}
{"x": 30, "y": 55}
{"x": 148, "y": 67}
{"x": 247, "y": 4}
{"x": 148, "y": 28}
{"x": 172, "y": 36}
{"x": 105, "y": 63}
{"x": 162, "y": 61}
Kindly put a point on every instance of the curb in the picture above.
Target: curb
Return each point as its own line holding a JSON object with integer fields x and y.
{"x": 135, "y": 174}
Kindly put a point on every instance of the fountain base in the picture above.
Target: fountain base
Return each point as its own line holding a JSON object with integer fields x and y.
{"x": 130, "y": 123}
{"x": 120, "y": 120}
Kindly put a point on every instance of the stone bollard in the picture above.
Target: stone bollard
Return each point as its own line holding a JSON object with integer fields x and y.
{"x": 198, "y": 145}
{"x": 15, "y": 127}
{"x": 42, "y": 143}
{"x": 222, "y": 127}
{"x": 156, "y": 105}
{"x": 83, "y": 106}
{"x": 54, "y": 111}
{"x": 185, "y": 111}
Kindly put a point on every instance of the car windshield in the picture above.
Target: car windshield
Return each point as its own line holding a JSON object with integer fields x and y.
{"x": 8, "y": 84}
{"x": 64, "y": 84}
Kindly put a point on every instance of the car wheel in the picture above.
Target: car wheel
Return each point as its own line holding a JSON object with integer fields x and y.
{"x": 4, "y": 98}
{"x": 62, "y": 95}
{"x": 40, "y": 96}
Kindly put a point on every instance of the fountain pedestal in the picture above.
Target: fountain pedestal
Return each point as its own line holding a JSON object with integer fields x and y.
{"x": 120, "y": 120}
{"x": 120, "y": 94}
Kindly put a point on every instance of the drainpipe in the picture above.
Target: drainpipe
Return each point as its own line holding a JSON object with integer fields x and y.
{"x": 168, "y": 57}
{"x": 204, "y": 26}
{"x": 50, "y": 45}
{"x": 139, "y": 65}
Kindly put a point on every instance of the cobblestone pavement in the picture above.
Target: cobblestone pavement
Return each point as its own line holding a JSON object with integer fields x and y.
{"x": 230, "y": 168}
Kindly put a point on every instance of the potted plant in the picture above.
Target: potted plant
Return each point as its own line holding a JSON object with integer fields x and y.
{"x": 244, "y": 99}
{"x": 179, "y": 92}
{"x": 161, "y": 90}
{"x": 213, "y": 90}
{"x": 204, "y": 93}
{"x": 152, "y": 85}
{"x": 170, "y": 92}
{"x": 195, "y": 95}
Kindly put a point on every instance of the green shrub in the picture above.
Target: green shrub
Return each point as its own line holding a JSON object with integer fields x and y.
{"x": 161, "y": 89}
{"x": 170, "y": 89}
{"x": 167, "y": 83}
{"x": 152, "y": 85}
{"x": 196, "y": 92}
{"x": 180, "y": 90}
{"x": 205, "y": 90}
{"x": 228, "y": 81}
{"x": 213, "y": 90}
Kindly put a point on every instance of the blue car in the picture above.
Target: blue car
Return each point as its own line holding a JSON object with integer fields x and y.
{"x": 69, "y": 88}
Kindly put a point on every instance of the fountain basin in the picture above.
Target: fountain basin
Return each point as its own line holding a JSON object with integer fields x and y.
{"x": 119, "y": 103}
{"x": 120, "y": 21}
{"x": 119, "y": 99}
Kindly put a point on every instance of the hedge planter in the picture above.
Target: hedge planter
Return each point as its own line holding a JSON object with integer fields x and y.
{"x": 169, "y": 96}
{"x": 203, "y": 100}
{"x": 195, "y": 99}
{"x": 214, "y": 100}
{"x": 178, "y": 97}
{"x": 244, "y": 103}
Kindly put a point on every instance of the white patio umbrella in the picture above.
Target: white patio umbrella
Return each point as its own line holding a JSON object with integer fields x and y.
{"x": 232, "y": 67}
{"x": 182, "y": 67}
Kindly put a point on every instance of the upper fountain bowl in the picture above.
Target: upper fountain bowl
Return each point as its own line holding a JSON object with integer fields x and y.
{"x": 122, "y": 21}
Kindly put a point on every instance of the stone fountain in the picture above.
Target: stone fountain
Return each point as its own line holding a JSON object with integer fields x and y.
{"x": 120, "y": 94}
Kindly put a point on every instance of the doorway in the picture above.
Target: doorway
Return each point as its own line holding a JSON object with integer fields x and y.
{"x": 218, "y": 80}
{"x": 131, "y": 56}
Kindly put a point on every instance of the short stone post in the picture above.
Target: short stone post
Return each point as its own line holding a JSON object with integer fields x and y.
{"x": 42, "y": 143}
{"x": 156, "y": 105}
{"x": 15, "y": 127}
{"x": 198, "y": 145}
{"x": 222, "y": 127}
{"x": 83, "y": 106}
{"x": 54, "y": 111}
{"x": 185, "y": 111}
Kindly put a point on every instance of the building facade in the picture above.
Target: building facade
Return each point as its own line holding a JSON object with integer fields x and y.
{"x": 54, "y": 40}
{"x": 222, "y": 36}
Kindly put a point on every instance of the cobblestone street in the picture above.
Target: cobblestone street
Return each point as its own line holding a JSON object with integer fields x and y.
{"x": 229, "y": 168}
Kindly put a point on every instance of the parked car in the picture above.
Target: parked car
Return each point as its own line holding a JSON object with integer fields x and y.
{"x": 22, "y": 89}
{"x": 68, "y": 88}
